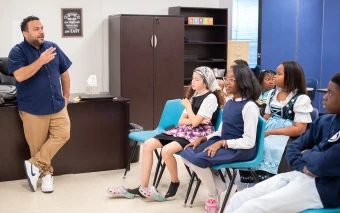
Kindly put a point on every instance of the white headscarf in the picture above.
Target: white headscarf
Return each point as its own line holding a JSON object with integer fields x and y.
{"x": 208, "y": 77}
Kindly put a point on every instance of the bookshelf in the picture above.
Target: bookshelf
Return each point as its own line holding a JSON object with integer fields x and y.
{"x": 205, "y": 44}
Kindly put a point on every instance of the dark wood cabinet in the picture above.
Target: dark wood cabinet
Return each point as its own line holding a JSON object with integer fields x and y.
{"x": 98, "y": 142}
{"x": 146, "y": 63}
{"x": 205, "y": 45}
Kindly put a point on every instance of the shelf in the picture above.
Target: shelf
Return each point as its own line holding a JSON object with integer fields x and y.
{"x": 192, "y": 43}
{"x": 203, "y": 8}
{"x": 205, "y": 25}
{"x": 206, "y": 61}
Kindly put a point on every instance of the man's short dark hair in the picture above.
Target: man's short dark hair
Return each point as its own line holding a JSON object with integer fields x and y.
{"x": 336, "y": 79}
{"x": 24, "y": 22}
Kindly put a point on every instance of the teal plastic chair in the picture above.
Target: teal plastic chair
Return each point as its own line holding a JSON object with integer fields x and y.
{"x": 158, "y": 177}
{"x": 245, "y": 164}
{"x": 337, "y": 210}
{"x": 170, "y": 116}
{"x": 237, "y": 165}
{"x": 219, "y": 119}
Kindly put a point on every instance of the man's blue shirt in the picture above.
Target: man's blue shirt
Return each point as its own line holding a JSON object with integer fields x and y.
{"x": 41, "y": 94}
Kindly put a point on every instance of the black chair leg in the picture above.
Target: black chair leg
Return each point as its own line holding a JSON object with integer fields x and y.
{"x": 193, "y": 175}
{"x": 229, "y": 190}
{"x": 188, "y": 169}
{"x": 130, "y": 159}
{"x": 195, "y": 192}
{"x": 158, "y": 155}
{"x": 222, "y": 176}
{"x": 253, "y": 174}
{"x": 160, "y": 175}
{"x": 228, "y": 172}
{"x": 159, "y": 163}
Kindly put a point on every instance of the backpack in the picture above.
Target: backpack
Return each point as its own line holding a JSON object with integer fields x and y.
{"x": 8, "y": 93}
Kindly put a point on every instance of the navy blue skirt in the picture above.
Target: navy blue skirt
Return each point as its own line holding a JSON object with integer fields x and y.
{"x": 222, "y": 156}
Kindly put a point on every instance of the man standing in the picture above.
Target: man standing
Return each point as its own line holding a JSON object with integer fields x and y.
{"x": 38, "y": 66}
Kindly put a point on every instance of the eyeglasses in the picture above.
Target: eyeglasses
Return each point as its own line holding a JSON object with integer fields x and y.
{"x": 231, "y": 80}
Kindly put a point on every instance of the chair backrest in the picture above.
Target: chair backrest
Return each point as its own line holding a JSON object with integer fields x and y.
{"x": 313, "y": 83}
{"x": 219, "y": 119}
{"x": 314, "y": 114}
{"x": 259, "y": 141}
{"x": 171, "y": 114}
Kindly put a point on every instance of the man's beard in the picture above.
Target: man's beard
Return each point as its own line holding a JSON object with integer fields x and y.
{"x": 37, "y": 43}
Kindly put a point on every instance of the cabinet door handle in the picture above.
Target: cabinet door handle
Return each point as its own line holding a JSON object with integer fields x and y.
{"x": 152, "y": 41}
{"x": 155, "y": 41}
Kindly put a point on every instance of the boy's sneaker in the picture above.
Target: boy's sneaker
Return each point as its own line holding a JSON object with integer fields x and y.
{"x": 32, "y": 173}
{"x": 47, "y": 184}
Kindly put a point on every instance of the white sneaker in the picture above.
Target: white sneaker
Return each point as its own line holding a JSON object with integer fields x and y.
{"x": 32, "y": 173}
{"x": 47, "y": 184}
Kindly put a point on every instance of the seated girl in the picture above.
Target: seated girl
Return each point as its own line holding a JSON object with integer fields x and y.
{"x": 198, "y": 119}
{"x": 235, "y": 138}
{"x": 287, "y": 113}
{"x": 267, "y": 82}
{"x": 221, "y": 83}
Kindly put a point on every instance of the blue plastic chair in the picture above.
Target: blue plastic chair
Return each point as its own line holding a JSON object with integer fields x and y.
{"x": 314, "y": 114}
{"x": 170, "y": 116}
{"x": 337, "y": 210}
{"x": 246, "y": 164}
{"x": 159, "y": 176}
{"x": 313, "y": 83}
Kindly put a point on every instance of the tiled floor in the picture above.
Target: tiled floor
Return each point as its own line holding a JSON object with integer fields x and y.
{"x": 86, "y": 193}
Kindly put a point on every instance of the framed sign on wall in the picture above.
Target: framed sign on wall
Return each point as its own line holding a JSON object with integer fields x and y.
{"x": 71, "y": 22}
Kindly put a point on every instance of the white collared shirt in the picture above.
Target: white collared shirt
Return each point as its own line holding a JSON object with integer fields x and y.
{"x": 302, "y": 106}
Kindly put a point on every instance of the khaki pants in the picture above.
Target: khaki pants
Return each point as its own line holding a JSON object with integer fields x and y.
{"x": 45, "y": 135}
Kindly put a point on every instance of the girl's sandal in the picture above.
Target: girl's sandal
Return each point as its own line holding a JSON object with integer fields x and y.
{"x": 157, "y": 195}
{"x": 120, "y": 192}
{"x": 145, "y": 192}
